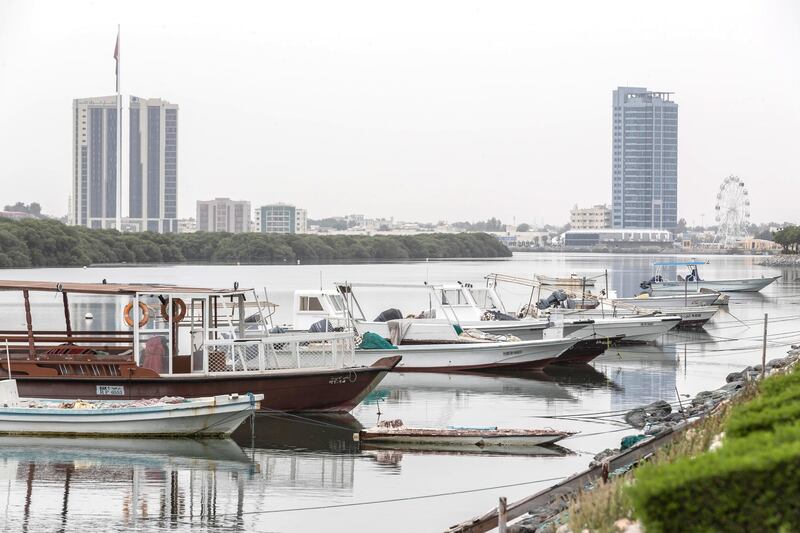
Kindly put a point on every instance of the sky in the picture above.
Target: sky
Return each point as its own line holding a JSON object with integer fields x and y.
{"x": 420, "y": 110}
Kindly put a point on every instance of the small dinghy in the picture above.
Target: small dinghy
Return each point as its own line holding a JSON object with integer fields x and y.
{"x": 213, "y": 416}
{"x": 393, "y": 431}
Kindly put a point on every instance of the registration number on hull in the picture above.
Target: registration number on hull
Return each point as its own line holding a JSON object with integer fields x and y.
{"x": 513, "y": 352}
{"x": 110, "y": 390}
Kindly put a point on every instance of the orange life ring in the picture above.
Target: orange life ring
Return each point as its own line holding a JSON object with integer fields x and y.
{"x": 179, "y": 310}
{"x": 144, "y": 313}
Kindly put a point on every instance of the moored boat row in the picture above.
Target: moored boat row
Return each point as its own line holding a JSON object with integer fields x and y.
{"x": 199, "y": 342}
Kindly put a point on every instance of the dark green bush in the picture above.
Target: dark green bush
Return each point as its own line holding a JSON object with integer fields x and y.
{"x": 778, "y": 404}
{"x": 780, "y": 383}
{"x": 751, "y": 484}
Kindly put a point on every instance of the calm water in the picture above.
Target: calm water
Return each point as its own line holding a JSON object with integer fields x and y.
{"x": 300, "y": 474}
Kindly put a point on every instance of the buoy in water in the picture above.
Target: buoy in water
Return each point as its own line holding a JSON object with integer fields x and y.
{"x": 88, "y": 316}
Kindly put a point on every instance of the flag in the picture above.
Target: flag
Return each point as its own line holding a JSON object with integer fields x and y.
{"x": 116, "y": 59}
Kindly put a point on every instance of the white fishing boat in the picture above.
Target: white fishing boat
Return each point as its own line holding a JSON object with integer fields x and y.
{"x": 428, "y": 341}
{"x": 645, "y": 300}
{"x": 692, "y": 282}
{"x": 452, "y": 305}
{"x": 573, "y": 280}
{"x": 215, "y": 416}
{"x": 394, "y": 432}
{"x": 691, "y": 317}
{"x": 584, "y": 324}
{"x": 448, "y": 350}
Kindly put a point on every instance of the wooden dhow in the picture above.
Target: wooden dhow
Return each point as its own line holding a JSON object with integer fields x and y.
{"x": 183, "y": 341}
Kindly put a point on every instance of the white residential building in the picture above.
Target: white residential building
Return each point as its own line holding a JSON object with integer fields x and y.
{"x": 596, "y": 217}
{"x": 223, "y": 214}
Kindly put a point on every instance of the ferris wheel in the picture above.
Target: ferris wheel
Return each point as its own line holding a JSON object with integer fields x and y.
{"x": 732, "y": 212}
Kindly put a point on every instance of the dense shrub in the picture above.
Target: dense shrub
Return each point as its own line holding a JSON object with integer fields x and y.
{"x": 751, "y": 484}
{"x": 48, "y": 243}
{"x": 778, "y": 404}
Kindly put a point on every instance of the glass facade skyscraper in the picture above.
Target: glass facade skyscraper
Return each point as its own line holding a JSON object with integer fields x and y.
{"x": 645, "y": 159}
{"x": 153, "y": 176}
{"x": 94, "y": 162}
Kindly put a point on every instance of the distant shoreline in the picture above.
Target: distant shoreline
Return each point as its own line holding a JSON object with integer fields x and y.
{"x": 637, "y": 250}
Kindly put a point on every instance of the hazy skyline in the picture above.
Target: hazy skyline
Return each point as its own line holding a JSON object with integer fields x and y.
{"x": 421, "y": 111}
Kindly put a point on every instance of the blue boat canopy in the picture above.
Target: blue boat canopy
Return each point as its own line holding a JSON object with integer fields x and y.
{"x": 679, "y": 263}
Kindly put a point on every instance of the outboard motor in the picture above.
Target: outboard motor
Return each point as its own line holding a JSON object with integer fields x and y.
{"x": 389, "y": 314}
{"x": 321, "y": 326}
{"x": 554, "y": 300}
{"x": 645, "y": 285}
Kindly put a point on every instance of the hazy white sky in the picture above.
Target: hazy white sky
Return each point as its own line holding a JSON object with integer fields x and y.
{"x": 455, "y": 110}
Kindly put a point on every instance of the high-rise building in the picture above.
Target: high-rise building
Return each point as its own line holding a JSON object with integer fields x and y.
{"x": 223, "y": 214}
{"x": 277, "y": 218}
{"x": 153, "y": 177}
{"x": 94, "y": 162}
{"x": 645, "y": 159}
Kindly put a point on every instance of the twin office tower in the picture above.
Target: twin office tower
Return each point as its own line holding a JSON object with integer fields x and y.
{"x": 153, "y": 164}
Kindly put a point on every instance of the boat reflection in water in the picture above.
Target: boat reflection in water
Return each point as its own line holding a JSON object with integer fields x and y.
{"x": 94, "y": 484}
{"x": 151, "y": 484}
{"x": 392, "y": 454}
{"x": 402, "y": 386}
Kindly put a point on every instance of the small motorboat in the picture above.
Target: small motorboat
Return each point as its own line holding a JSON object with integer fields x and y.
{"x": 213, "y": 416}
{"x": 645, "y": 300}
{"x": 573, "y": 281}
{"x": 692, "y": 282}
{"x": 395, "y": 432}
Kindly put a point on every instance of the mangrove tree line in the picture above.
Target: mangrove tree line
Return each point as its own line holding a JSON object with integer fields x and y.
{"x": 49, "y": 243}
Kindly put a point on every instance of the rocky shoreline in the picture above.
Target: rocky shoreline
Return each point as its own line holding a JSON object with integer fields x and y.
{"x": 781, "y": 261}
{"x": 653, "y": 419}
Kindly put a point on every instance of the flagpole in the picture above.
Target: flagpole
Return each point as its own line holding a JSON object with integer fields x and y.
{"x": 119, "y": 145}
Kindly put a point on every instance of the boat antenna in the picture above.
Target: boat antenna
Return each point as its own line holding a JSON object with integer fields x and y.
{"x": 8, "y": 360}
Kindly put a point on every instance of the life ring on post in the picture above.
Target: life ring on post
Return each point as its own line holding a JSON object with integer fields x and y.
{"x": 178, "y": 310}
{"x": 144, "y": 314}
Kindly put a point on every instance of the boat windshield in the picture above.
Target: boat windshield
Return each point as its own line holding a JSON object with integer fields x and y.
{"x": 337, "y": 301}
{"x": 453, "y": 297}
{"x": 483, "y": 297}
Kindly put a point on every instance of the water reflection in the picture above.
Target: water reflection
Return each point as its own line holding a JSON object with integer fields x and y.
{"x": 404, "y": 386}
{"x": 332, "y": 433}
{"x": 582, "y": 376}
{"x": 56, "y": 483}
{"x": 113, "y": 479}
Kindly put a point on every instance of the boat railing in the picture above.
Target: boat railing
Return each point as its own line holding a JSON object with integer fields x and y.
{"x": 281, "y": 351}
{"x": 40, "y": 343}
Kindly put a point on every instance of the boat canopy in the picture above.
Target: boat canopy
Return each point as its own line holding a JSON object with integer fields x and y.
{"x": 679, "y": 263}
{"x": 120, "y": 289}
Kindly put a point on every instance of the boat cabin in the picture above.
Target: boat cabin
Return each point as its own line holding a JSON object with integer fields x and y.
{"x": 311, "y": 306}
{"x": 160, "y": 330}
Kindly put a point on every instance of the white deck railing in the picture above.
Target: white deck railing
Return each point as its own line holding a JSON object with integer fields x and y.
{"x": 281, "y": 351}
